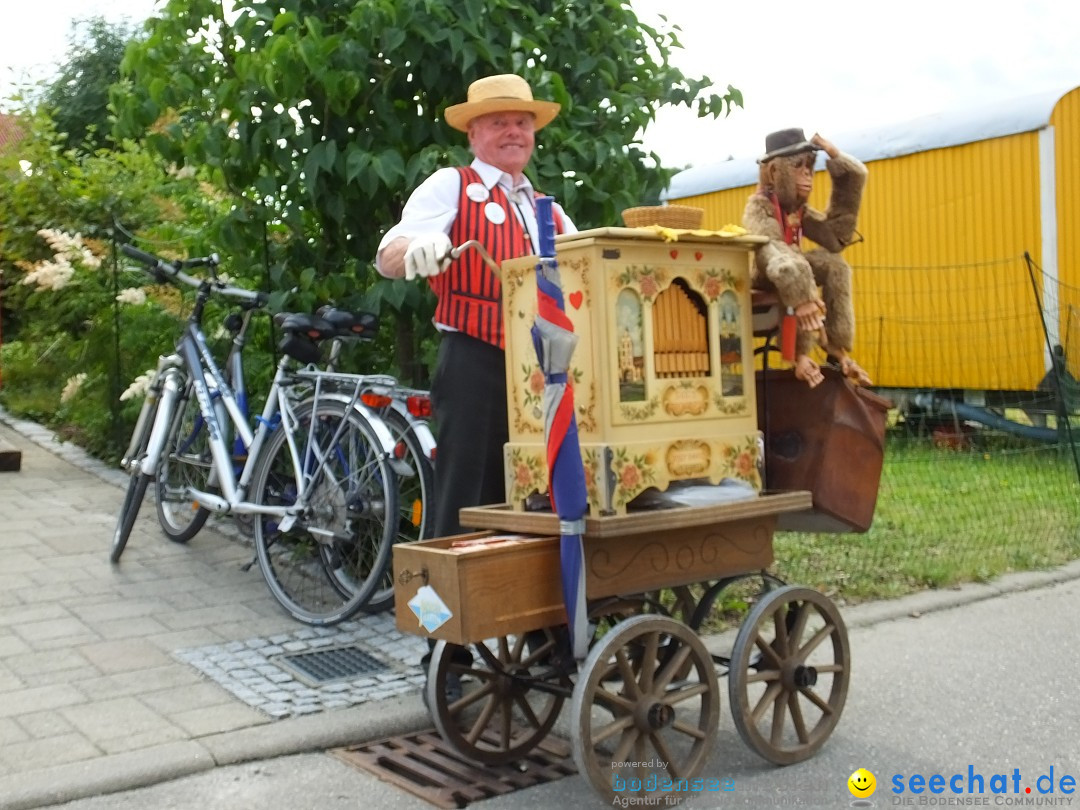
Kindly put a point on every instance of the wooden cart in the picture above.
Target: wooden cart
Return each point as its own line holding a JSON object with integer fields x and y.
{"x": 665, "y": 394}
{"x": 645, "y": 702}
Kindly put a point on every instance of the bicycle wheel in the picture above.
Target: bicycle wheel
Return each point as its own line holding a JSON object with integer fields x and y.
{"x": 325, "y": 565}
{"x": 133, "y": 496}
{"x": 415, "y": 498}
{"x": 185, "y": 462}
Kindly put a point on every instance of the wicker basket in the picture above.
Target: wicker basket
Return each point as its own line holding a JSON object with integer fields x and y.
{"x": 667, "y": 216}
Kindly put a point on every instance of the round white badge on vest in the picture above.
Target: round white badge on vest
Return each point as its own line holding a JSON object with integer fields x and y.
{"x": 477, "y": 192}
{"x": 495, "y": 213}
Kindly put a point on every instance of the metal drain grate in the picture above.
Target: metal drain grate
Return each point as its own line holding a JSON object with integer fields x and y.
{"x": 426, "y": 766}
{"x": 334, "y": 664}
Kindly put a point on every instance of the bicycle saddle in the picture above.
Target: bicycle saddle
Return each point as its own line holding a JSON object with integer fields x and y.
{"x": 364, "y": 325}
{"x": 303, "y": 323}
{"x": 302, "y": 333}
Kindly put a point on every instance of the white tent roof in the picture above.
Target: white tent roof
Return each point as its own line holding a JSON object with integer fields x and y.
{"x": 950, "y": 128}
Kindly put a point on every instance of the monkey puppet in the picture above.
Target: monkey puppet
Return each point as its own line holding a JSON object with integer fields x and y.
{"x": 779, "y": 211}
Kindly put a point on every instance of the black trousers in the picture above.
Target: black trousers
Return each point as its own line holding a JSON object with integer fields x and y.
{"x": 468, "y": 395}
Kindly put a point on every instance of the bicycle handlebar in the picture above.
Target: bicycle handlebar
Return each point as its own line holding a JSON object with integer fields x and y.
{"x": 174, "y": 271}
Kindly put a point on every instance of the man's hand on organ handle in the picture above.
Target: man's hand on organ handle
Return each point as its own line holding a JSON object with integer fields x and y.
{"x": 427, "y": 255}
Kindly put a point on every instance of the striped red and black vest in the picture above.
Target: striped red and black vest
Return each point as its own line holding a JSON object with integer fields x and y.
{"x": 469, "y": 293}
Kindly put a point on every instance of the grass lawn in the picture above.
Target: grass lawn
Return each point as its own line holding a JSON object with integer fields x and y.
{"x": 946, "y": 516}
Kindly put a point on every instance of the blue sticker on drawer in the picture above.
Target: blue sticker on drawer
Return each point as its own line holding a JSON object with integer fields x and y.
{"x": 429, "y": 609}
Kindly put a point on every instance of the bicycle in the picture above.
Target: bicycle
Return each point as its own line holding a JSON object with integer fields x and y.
{"x": 186, "y": 463}
{"x": 405, "y": 411}
{"x": 318, "y": 467}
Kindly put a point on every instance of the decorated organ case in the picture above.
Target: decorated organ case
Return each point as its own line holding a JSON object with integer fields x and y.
{"x": 663, "y": 371}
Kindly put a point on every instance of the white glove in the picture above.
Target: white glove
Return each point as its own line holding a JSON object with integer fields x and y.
{"x": 427, "y": 255}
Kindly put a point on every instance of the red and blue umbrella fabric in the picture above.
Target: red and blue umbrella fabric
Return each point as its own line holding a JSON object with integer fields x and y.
{"x": 554, "y": 339}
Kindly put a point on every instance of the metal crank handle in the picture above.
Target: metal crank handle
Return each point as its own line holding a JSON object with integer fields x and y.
{"x": 455, "y": 253}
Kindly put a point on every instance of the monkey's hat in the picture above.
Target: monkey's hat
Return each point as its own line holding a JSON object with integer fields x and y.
{"x": 786, "y": 142}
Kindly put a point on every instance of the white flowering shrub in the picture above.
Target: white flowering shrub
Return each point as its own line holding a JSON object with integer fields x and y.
{"x": 72, "y": 386}
{"x": 138, "y": 387}
{"x": 131, "y": 295}
{"x": 80, "y": 322}
{"x": 85, "y": 325}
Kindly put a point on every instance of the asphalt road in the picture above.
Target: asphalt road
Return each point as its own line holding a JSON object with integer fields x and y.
{"x": 985, "y": 688}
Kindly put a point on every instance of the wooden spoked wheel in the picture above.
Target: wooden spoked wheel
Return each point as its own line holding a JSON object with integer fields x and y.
{"x": 713, "y": 607}
{"x": 645, "y": 709}
{"x": 789, "y": 674}
{"x": 504, "y": 709}
{"x": 709, "y": 606}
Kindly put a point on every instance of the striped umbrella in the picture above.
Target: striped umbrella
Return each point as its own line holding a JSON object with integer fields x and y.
{"x": 554, "y": 339}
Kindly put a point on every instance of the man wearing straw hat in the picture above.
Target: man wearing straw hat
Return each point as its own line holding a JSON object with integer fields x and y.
{"x": 493, "y": 202}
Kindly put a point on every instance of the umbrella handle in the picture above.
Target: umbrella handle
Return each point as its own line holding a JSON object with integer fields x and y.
{"x": 455, "y": 253}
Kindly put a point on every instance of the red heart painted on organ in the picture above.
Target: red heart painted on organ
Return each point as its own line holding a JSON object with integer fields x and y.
{"x": 674, "y": 254}
{"x": 698, "y": 255}
{"x": 576, "y": 298}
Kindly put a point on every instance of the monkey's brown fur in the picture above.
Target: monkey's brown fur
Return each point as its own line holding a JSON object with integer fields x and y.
{"x": 795, "y": 275}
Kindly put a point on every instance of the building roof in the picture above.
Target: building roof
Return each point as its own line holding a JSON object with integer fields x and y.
{"x": 10, "y": 131}
{"x": 936, "y": 131}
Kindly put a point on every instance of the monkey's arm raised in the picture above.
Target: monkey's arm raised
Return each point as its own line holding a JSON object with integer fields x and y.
{"x": 835, "y": 228}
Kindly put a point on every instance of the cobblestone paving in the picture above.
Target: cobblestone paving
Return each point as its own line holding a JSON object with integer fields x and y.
{"x": 250, "y": 669}
{"x": 177, "y": 645}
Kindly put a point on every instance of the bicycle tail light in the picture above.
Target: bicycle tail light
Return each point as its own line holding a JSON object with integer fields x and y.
{"x": 373, "y": 400}
{"x": 419, "y": 406}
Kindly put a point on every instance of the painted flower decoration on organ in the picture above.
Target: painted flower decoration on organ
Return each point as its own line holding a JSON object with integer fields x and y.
{"x": 630, "y": 477}
{"x": 712, "y": 288}
{"x": 649, "y": 287}
{"x": 523, "y": 475}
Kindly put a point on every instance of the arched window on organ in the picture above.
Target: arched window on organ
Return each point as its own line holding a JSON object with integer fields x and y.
{"x": 680, "y": 332}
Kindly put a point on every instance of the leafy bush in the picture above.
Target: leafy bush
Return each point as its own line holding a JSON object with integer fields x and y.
{"x": 62, "y": 276}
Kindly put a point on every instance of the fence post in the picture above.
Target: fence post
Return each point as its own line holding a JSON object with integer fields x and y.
{"x": 1055, "y": 366}
{"x": 114, "y": 382}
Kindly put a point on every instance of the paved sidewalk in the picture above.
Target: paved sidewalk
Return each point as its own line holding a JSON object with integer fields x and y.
{"x": 120, "y": 677}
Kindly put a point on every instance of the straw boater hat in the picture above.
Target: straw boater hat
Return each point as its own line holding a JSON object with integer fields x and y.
{"x": 498, "y": 93}
{"x": 786, "y": 142}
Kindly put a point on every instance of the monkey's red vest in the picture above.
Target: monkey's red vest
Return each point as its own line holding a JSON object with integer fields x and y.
{"x": 791, "y": 224}
{"x": 469, "y": 293}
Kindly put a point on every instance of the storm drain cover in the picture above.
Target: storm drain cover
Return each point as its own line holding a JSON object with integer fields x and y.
{"x": 426, "y": 766}
{"x": 334, "y": 664}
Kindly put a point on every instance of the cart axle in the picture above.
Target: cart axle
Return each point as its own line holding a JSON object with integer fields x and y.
{"x": 658, "y": 716}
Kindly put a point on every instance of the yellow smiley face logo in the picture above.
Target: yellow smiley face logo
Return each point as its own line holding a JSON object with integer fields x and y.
{"x": 862, "y": 783}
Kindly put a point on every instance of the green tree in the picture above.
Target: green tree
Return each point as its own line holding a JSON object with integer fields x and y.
{"x": 78, "y": 97}
{"x": 321, "y": 116}
{"x": 64, "y": 328}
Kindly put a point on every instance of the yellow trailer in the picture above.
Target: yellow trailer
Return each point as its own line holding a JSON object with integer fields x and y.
{"x": 945, "y": 295}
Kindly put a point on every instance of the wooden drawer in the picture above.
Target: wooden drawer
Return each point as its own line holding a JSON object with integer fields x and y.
{"x": 488, "y": 591}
